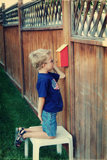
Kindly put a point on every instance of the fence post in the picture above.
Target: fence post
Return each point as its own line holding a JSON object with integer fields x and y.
{"x": 3, "y": 6}
{"x": 20, "y": 2}
{"x": 4, "y": 48}
{"x": 66, "y": 35}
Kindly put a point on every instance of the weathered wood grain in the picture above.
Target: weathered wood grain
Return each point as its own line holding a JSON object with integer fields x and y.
{"x": 90, "y": 106}
{"x": 12, "y": 53}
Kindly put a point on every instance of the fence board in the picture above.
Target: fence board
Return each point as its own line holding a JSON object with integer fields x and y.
{"x": 100, "y": 91}
{"x": 93, "y": 102}
{"x": 82, "y": 96}
{"x": 12, "y": 53}
{"x": 86, "y": 100}
{"x": 71, "y": 110}
{"x": 77, "y": 93}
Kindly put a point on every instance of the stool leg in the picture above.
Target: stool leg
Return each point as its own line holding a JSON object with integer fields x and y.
{"x": 59, "y": 148}
{"x": 26, "y": 148}
{"x": 70, "y": 149}
{"x": 35, "y": 152}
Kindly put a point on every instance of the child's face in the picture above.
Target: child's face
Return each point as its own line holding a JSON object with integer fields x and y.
{"x": 49, "y": 63}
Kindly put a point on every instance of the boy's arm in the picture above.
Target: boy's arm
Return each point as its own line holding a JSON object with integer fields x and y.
{"x": 56, "y": 69}
{"x": 40, "y": 107}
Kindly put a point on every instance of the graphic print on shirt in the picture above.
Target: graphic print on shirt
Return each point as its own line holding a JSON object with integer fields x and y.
{"x": 55, "y": 85}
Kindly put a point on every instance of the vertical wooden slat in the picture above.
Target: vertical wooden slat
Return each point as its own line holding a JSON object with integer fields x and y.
{"x": 100, "y": 76}
{"x": 93, "y": 102}
{"x": 77, "y": 95}
{"x": 13, "y": 54}
{"x": 82, "y": 98}
{"x": 86, "y": 100}
{"x": 71, "y": 112}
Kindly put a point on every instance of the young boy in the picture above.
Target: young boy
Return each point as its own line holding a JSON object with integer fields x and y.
{"x": 50, "y": 100}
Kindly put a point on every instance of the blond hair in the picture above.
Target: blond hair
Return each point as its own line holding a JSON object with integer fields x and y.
{"x": 39, "y": 57}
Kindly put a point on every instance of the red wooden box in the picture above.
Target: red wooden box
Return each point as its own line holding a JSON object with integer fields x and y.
{"x": 62, "y": 56}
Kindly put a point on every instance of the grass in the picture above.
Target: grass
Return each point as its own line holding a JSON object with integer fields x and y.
{"x": 15, "y": 112}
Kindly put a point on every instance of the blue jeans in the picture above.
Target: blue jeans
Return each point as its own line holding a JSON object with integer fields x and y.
{"x": 49, "y": 124}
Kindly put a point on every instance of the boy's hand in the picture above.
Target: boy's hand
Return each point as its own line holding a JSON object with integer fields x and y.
{"x": 56, "y": 69}
{"x": 40, "y": 117}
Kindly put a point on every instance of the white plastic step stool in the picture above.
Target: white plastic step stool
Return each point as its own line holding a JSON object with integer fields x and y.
{"x": 62, "y": 137}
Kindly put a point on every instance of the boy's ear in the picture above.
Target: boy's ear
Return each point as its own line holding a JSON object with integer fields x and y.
{"x": 43, "y": 65}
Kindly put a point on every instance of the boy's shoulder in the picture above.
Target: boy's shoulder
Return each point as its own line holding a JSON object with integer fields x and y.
{"x": 43, "y": 76}
{"x": 47, "y": 76}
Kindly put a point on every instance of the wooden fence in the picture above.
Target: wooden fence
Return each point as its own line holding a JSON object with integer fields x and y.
{"x": 49, "y": 24}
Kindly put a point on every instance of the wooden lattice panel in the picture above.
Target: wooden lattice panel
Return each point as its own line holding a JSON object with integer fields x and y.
{"x": 42, "y": 13}
{"x": 89, "y": 18}
{"x": 10, "y": 15}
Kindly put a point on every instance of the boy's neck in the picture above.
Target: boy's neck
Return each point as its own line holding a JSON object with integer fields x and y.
{"x": 43, "y": 71}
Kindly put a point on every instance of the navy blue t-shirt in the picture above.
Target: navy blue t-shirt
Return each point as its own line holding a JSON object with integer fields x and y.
{"x": 47, "y": 87}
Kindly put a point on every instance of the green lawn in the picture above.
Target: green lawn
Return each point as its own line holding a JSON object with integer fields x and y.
{"x": 15, "y": 112}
